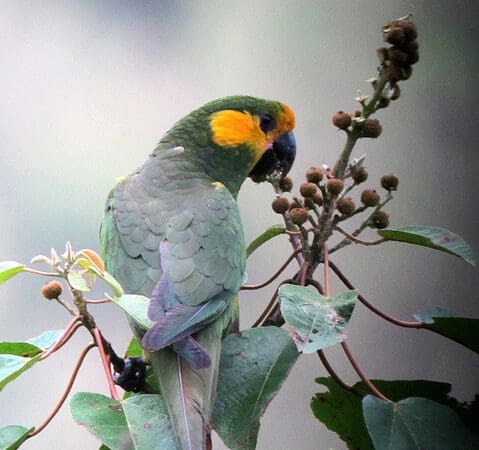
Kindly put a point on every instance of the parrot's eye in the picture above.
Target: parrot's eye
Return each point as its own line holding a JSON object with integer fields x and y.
{"x": 266, "y": 123}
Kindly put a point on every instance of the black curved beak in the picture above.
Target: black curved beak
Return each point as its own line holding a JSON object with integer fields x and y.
{"x": 278, "y": 158}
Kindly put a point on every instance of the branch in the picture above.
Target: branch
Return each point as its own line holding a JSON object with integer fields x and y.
{"x": 357, "y": 240}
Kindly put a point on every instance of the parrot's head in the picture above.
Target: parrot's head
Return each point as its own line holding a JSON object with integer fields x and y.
{"x": 236, "y": 137}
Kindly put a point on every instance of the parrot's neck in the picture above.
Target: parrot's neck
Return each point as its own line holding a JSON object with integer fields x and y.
{"x": 227, "y": 166}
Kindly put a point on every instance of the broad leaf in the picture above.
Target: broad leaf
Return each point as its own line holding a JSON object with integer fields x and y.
{"x": 136, "y": 306}
{"x": 317, "y": 322}
{"x": 13, "y": 436}
{"x": 46, "y": 339}
{"x": 107, "y": 278}
{"x": 253, "y": 366}
{"x": 8, "y": 269}
{"x": 464, "y": 330}
{"x": 149, "y": 423}
{"x": 415, "y": 423}
{"x": 270, "y": 233}
{"x": 103, "y": 417}
{"x": 19, "y": 348}
{"x": 139, "y": 422}
{"x": 432, "y": 237}
{"x": 341, "y": 410}
{"x": 11, "y": 366}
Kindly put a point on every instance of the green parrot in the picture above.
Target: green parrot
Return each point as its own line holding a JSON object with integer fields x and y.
{"x": 173, "y": 233}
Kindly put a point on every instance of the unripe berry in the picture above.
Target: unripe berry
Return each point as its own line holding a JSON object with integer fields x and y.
{"x": 298, "y": 216}
{"x": 390, "y": 182}
{"x": 308, "y": 189}
{"x": 314, "y": 175}
{"x": 280, "y": 205}
{"x": 342, "y": 120}
{"x": 334, "y": 186}
{"x": 371, "y": 128}
{"x": 369, "y": 197}
{"x": 52, "y": 290}
{"x": 379, "y": 220}
{"x": 360, "y": 175}
{"x": 346, "y": 206}
{"x": 286, "y": 184}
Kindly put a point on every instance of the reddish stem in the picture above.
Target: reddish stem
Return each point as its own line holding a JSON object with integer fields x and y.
{"x": 363, "y": 377}
{"x": 65, "y": 393}
{"x": 64, "y": 338}
{"x": 401, "y": 323}
{"x": 105, "y": 359}
{"x": 326, "y": 271}
{"x": 248, "y": 287}
{"x": 331, "y": 371}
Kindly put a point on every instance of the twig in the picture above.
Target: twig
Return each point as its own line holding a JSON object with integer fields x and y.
{"x": 357, "y": 240}
{"x": 65, "y": 393}
{"x": 97, "y": 302}
{"x": 41, "y": 272}
{"x": 363, "y": 377}
{"x": 331, "y": 371}
{"x": 401, "y": 323}
{"x": 248, "y": 287}
{"x": 326, "y": 271}
{"x": 64, "y": 338}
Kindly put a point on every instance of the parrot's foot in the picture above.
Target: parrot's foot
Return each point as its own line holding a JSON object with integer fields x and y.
{"x": 133, "y": 376}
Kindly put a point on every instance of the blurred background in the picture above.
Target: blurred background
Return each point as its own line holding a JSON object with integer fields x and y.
{"x": 87, "y": 89}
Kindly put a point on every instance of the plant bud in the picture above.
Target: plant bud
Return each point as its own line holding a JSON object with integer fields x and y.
{"x": 334, "y": 186}
{"x": 346, "y": 206}
{"x": 286, "y": 184}
{"x": 342, "y": 120}
{"x": 371, "y": 128}
{"x": 390, "y": 182}
{"x": 308, "y": 189}
{"x": 314, "y": 175}
{"x": 52, "y": 290}
{"x": 369, "y": 197}
{"x": 379, "y": 220}
{"x": 280, "y": 205}
{"x": 298, "y": 216}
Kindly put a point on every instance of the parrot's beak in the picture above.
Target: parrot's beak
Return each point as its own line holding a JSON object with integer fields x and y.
{"x": 277, "y": 158}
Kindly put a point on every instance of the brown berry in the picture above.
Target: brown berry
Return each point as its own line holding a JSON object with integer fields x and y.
{"x": 334, "y": 186}
{"x": 298, "y": 216}
{"x": 280, "y": 205}
{"x": 286, "y": 184}
{"x": 52, "y": 290}
{"x": 308, "y": 189}
{"x": 318, "y": 199}
{"x": 390, "y": 182}
{"x": 383, "y": 55}
{"x": 346, "y": 206}
{"x": 394, "y": 92}
{"x": 369, "y": 197}
{"x": 409, "y": 29}
{"x": 393, "y": 73}
{"x": 314, "y": 175}
{"x": 294, "y": 204}
{"x": 397, "y": 56}
{"x": 360, "y": 175}
{"x": 383, "y": 102}
{"x": 393, "y": 35}
{"x": 342, "y": 120}
{"x": 413, "y": 57}
{"x": 371, "y": 128}
{"x": 379, "y": 220}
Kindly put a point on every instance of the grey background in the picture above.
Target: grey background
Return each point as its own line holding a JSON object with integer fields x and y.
{"x": 87, "y": 89}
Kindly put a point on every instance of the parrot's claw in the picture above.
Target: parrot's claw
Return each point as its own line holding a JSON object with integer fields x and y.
{"x": 133, "y": 376}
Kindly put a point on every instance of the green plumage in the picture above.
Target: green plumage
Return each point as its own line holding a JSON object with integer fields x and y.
{"x": 172, "y": 232}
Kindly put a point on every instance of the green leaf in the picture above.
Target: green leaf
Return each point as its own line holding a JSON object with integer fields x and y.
{"x": 253, "y": 366}
{"x": 464, "y": 330}
{"x": 149, "y": 423}
{"x": 134, "y": 348}
{"x": 270, "y": 233}
{"x": 8, "y": 269}
{"x": 432, "y": 237}
{"x": 19, "y": 348}
{"x": 317, "y": 321}
{"x": 11, "y": 366}
{"x": 77, "y": 281}
{"x": 103, "y": 417}
{"x": 13, "y": 436}
{"x": 139, "y": 422}
{"x": 46, "y": 339}
{"x": 341, "y": 410}
{"x": 109, "y": 279}
{"x": 415, "y": 423}
{"x": 136, "y": 306}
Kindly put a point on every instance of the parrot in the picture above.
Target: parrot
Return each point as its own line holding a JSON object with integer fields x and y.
{"x": 172, "y": 232}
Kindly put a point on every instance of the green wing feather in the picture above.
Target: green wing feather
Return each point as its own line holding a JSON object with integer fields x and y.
{"x": 168, "y": 221}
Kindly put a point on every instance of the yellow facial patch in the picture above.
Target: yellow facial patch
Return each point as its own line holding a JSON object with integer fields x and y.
{"x": 232, "y": 128}
{"x": 286, "y": 120}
